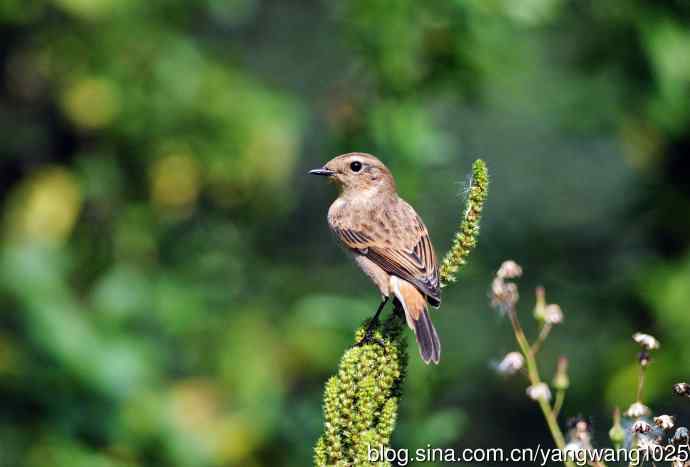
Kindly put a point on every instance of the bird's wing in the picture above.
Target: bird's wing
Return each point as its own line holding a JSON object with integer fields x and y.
{"x": 411, "y": 258}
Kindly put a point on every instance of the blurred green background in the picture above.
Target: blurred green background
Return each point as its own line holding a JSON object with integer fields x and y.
{"x": 170, "y": 294}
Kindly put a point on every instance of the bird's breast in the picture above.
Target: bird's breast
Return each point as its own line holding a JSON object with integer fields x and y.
{"x": 337, "y": 212}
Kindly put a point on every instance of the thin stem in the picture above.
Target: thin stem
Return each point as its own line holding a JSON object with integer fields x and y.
{"x": 534, "y": 378}
{"x": 558, "y": 404}
{"x": 640, "y": 384}
{"x": 543, "y": 334}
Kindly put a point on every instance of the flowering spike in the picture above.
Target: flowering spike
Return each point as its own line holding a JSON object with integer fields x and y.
{"x": 466, "y": 237}
{"x": 361, "y": 402}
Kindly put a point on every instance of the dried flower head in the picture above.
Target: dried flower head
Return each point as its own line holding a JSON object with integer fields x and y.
{"x": 579, "y": 433}
{"x": 509, "y": 270}
{"x": 648, "y": 443}
{"x": 637, "y": 410}
{"x": 681, "y": 437}
{"x": 582, "y": 426}
{"x": 539, "y": 391}
{"x": 681, "y": 389}
{"x": 504, "y": 295}
{"x": 665, "y": 422}
{"x": 511, "y": 363}
{"x": 574, "y": 446}
{"x": 553, "y": 314}
{"x": 640, "y": 426}
{"x": 646, "y": 341}
{"x": 578, "y": 426}
{"x": 570, "y": 422}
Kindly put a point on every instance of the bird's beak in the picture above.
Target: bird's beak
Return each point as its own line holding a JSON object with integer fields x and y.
{"x": 323, "y": 172}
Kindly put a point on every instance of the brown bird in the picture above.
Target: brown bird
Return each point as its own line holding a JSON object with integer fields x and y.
{"x": 388, "y": 240}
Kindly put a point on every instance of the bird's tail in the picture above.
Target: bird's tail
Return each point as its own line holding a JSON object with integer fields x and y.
{"x": 417, "y": 316}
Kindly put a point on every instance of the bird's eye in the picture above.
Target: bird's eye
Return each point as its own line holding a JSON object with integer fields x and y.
{"x": 356, "y": 166}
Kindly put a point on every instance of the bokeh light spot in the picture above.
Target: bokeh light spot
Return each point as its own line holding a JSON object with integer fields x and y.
{"x": 91, "y": 103}
{"x": 90, "y": 9}
{"x": 175, "y": 180}
{"x": 46, "y": 207}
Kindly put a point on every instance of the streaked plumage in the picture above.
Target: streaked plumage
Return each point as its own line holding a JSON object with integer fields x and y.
{"x": 388, "y": 240}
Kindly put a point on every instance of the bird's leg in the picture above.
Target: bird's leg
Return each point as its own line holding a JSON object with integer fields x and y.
{"x": 369, "y": 333}
{"x": 375, "y": 319}
{"x": 398, "y": 309}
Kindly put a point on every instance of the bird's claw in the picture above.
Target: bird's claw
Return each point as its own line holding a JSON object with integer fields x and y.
{"x": 369, "y": 339}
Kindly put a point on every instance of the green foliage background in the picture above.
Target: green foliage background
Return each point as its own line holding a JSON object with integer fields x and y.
{"x": 170, "y": 294}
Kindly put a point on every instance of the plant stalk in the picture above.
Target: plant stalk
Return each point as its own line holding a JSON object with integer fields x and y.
{"x": 534, "y": 378}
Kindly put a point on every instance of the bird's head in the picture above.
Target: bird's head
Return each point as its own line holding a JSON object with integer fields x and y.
{"x": 357, "y": 172}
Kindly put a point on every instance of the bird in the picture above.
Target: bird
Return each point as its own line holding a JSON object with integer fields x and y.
{"x": 389, "y": 242}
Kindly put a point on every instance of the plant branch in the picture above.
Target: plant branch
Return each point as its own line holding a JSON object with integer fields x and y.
{"x": 534, "y": 379}
{"x": 543, "y": 334}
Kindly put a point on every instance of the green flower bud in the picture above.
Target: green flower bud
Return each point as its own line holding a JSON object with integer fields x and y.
{"x": 561, "y": 381}
{"x": 617, "y": 433}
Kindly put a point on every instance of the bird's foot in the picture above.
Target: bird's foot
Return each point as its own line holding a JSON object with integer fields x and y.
{"x": 370, "y": 340}
{"x": 369, "y": 337}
